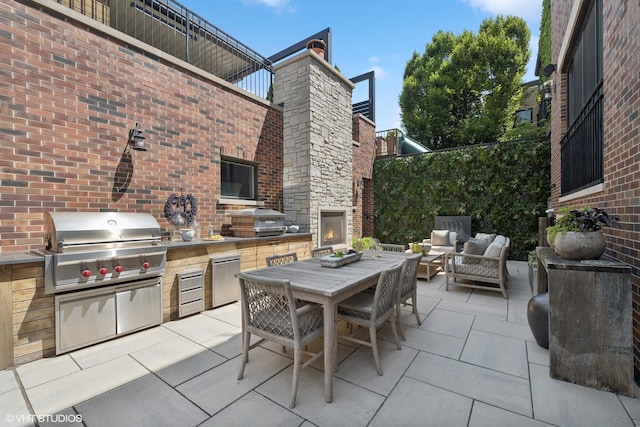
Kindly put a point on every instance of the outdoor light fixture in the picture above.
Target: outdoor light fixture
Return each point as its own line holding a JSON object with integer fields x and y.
{"x": 548, "y": 70}
{"x": 136, "y": 140}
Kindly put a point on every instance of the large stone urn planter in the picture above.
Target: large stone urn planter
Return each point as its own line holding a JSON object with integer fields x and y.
{"x": 575, "y": 245}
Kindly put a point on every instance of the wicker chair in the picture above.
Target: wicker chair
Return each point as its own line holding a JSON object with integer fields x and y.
{"x": 408, "y": 289}
{"x": 269, "y": 311}
{"x": 487, "y": 271}
{"x": 281, "y": 259}
{"x": 371, "y": 310}
{"x": 392, "y": 248}
{"x": 321, "y": 251}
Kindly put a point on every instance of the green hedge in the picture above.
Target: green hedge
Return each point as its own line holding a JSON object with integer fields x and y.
{"x": 504, "y": 187}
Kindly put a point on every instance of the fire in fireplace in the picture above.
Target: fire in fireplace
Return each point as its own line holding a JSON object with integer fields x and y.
{"x": 333, "y": 226}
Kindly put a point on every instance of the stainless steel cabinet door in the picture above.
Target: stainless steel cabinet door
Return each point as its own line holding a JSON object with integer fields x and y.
{"x": 84, "y": 318}
{"x": 139, "y": 306}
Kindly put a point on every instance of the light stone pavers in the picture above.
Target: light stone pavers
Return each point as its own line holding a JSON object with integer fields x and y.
{"x": 565, "y": 404}
{"x": 352, "y": 405}
{"x": 164, "y": 406}
{"x": 253, "y": 409}
{"x": 486, "y": 385}
{"x": 415, "y": 403}
{"x": 497, "y": 352}
{"x": 45, "y": 370}
{"x": 217, "y": 388}
{"x": 177, "y": 360}
{"x": 448, "y": 323}
{"x": 473, "y": 362}
{"x": 54, "y": 396}
{"x": 360, "y": 369}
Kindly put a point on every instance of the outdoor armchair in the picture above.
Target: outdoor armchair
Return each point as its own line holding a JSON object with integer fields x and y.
{"x": 480, "y": 269}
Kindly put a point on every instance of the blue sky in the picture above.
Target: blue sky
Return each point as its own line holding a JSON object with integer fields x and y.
{"x": 367, "y": 35}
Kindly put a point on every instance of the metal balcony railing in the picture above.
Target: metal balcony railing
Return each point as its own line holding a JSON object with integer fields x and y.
{"x": 582, "y": 159}
{"x": 174, "y": 29}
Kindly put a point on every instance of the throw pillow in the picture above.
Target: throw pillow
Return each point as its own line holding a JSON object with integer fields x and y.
{"x": 486, "y": 236}
{"x": 500, "y": 240}
{"x": 475, "y": 246}
{"x": 493, "y": 250}
{"x": 440, "y": 238}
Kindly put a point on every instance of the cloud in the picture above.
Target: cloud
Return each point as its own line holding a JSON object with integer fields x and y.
{"x": 523, "y": 9}
{"x": 379, "y": 72}
{"x": 374, "y": 59}
{"x": 277, "y": 5}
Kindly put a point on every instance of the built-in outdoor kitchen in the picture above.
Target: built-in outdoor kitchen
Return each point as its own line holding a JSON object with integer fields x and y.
{"x": 88, "y": 253}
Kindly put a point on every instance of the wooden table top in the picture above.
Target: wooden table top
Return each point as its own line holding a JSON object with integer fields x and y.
{"x": 309, "y": 276}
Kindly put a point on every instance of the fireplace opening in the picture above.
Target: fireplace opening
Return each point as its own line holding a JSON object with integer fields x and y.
{"x": 333, "y": 227}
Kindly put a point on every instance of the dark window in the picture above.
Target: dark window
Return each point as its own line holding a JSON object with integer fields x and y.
{"x": 582, "y": 146}
{"x": 524, "y": 116}
{"x": 238, "y": 180}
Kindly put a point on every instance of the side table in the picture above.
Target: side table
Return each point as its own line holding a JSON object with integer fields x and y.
{"x": 429, "y": 264}
{"x": 590, "y": 321}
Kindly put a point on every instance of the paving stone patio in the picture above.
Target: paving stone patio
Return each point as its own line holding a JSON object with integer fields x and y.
{"x": 473, "y": 362}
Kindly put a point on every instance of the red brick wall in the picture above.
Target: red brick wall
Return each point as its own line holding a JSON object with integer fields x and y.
{"x": 68, "y": 98}
{"x": 621, "y": 84}
{"x": 364, "y": 133}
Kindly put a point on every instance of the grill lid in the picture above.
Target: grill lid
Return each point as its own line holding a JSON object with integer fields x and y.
{"x": 258, "y": 212}
{"x": 66, "y": 229}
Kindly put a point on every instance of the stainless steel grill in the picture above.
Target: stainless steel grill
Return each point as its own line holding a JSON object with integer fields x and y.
{"x": 105, "y": 270}
{"x": 257, "y": 222}
{"x": 89, "y": 249}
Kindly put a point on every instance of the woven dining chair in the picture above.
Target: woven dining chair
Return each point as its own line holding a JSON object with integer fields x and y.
{"x": 281, "y": 259}
{"x": 392, "y": 248}
{"x": 321, "y": 251}
{"x": 270, "y": 312}
{"x": 369, "y": 310}
{"x": 408, "y": 289}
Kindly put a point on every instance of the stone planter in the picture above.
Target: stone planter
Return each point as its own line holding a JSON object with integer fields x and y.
{"x": 579, "y": 245}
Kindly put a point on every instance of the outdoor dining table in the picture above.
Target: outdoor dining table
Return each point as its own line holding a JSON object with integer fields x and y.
{"x": 310, "y": 281}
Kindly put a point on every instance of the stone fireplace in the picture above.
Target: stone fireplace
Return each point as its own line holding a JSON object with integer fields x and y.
{"x": 332, "y": 227}
{"x": 317, "y": 144}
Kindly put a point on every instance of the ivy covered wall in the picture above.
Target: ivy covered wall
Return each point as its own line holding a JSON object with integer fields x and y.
{"x": 504, "y": 187}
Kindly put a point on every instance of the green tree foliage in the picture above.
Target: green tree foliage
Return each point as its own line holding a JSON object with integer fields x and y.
{"x": 465, "y": 89}
{"x": 504, "y": 187}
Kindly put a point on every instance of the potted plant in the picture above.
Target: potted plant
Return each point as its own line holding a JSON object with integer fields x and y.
{"x": 577, "y": 235}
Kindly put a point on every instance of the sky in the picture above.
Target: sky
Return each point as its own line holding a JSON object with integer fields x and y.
{"x": 366, "y": 35}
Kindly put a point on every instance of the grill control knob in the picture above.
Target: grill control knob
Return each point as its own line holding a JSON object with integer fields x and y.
{"x": 103, "y": 271}
{"x": 118, "y": 269}
{"x": 146, "y": 265}
{"x": 86, "y": 273}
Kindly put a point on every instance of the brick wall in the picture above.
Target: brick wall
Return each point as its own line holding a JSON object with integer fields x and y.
{"x": 364, "y": 151}
{"x": 67, "y": 102}
{"x": 621, "y": 83}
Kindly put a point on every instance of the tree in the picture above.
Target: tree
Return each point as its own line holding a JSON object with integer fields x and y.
{"x": 465, "y": 89}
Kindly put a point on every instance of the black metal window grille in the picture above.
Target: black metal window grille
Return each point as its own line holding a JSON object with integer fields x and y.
{"x": 582, "y": 162}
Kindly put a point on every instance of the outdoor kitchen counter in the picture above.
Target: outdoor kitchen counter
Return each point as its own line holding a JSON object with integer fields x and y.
{"x": 172, "y": 244}
{"x": 22, "y": 296}
{"x": 10, "y": 258}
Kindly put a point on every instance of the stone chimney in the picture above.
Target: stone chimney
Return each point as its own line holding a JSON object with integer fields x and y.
{"x": 317, "y": 143}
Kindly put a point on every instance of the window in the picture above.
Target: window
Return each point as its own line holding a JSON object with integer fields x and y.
{"x": 582, "y": 146}
{"x": 238, "y": 180}
{"x": 524, "y": 116}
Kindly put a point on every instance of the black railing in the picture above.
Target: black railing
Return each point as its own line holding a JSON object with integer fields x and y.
{"x": 174, "y": 29}
{"x": 581, "y": 153}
